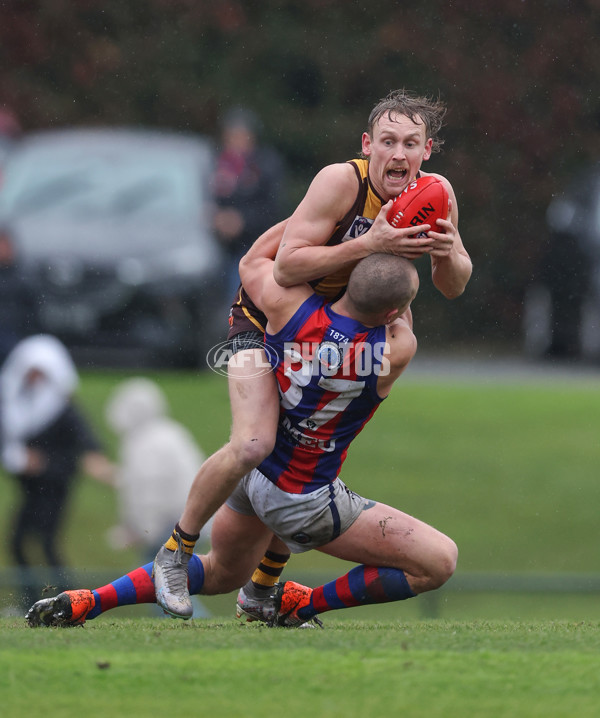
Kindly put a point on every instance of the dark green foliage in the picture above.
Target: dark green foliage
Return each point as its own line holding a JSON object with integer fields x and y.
{"x": 520, "y": 80}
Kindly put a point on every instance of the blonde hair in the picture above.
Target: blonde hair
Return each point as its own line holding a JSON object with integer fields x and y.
{"x": 431, "y": 113}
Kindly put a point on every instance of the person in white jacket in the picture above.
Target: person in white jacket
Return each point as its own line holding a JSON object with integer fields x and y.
{"x": 45, "y": 439}
{"x": 157, "y": 460}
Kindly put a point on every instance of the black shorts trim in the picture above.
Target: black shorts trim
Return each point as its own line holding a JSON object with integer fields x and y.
{"x": 246, "y": 340}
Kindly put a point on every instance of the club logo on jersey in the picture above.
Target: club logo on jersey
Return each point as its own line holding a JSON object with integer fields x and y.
{"x": 358, "y": 227}
{"x": 330, "y": 356}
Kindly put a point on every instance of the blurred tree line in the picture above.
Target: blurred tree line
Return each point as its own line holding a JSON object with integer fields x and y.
{"x": 520, "y": 80}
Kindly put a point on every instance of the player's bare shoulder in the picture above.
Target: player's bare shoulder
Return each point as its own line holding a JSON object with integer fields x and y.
{"x": 342, "y": 173}
{"x": 401, "y": 348}
{"x": 335, "y": 184}
{"x": 402, "y": 341}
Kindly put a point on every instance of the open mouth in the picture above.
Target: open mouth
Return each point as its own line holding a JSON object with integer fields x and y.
{"x": 397, "y": 174}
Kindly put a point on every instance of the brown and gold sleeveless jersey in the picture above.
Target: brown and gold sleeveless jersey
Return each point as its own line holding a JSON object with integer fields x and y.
{"x": 357, "y": 221}
{"x": 245, "y": 316}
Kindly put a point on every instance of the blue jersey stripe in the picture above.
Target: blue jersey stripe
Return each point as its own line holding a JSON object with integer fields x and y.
{"x": 324, "y": 405}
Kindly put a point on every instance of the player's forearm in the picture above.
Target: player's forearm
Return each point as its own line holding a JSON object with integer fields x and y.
{"x": 267, "y": 244}
{"x": 295, "y": 265}
{"x": 264, "y": 248}
{"x": 450, "y": 274}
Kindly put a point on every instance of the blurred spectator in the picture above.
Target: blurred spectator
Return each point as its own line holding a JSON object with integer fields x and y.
{"x": 9, "y": 124}
{"x": 158, "y": 459}
{"x": 17, "y": 299}
{"x": 565, "y": 272}
{"x": 247, "y": 188}
{"x": 43, "y": 437}
{"x": 562, "y": 306}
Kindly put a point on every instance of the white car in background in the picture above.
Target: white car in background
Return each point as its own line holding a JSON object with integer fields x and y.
{"x": 113, "y": 230}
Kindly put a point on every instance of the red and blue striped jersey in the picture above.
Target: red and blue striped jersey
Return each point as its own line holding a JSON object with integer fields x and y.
{"x": 326, "y": 367}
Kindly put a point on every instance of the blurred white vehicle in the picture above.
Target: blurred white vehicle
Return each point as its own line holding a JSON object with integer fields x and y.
{"x": 113, "y": 229}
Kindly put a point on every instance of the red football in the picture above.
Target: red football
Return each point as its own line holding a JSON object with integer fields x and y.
{"x": 422, "y": 202}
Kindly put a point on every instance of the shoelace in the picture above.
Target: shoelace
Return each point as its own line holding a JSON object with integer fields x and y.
{"x": 175, "y": 578}
{"x": 179, "y": 552}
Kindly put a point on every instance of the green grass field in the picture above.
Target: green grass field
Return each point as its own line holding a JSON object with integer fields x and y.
{"x": 509, "y": 470}
{"x": 142, "y": 667}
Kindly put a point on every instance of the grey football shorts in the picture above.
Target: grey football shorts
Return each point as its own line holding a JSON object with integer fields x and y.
{"x": 302, "y": 521}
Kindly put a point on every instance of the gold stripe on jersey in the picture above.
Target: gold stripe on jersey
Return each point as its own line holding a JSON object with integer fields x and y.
{"x": 373, "y": 201}
{"x": 356, "y": 222}
{"x": 252, "y": 319}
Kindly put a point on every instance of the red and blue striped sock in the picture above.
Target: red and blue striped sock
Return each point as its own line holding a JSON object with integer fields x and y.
{"x": 137, "y": 586}
{"x": 361, "y": 586}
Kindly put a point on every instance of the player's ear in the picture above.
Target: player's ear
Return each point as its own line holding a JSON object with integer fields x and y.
{"x": 391, "y": 315}
{"x": 366, "y": 144}
{"x": 428, "y": 147}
